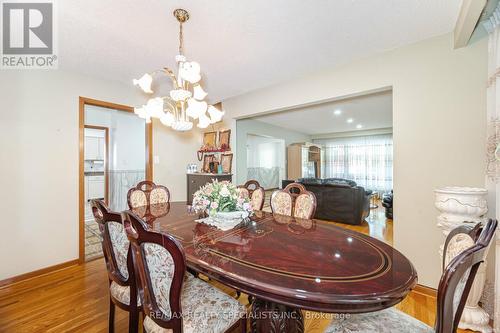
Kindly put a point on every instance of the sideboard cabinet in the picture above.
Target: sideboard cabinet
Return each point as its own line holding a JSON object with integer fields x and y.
{"x": 197, "y": 180}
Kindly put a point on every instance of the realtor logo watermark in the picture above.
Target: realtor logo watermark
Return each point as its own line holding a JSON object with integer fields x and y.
{"x": 28, "y": 34}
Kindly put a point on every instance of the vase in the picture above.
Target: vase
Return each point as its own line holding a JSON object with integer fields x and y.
{"x": 459, "y": 205}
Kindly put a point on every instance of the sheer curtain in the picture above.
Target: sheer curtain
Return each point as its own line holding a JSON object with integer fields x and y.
{"x": 490, "y": 302}
{"x": 367, "y": 160}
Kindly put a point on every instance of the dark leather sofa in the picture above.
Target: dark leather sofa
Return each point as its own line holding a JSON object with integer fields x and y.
{"x": 387, "y": 203}
{"x": 338, "y": 200}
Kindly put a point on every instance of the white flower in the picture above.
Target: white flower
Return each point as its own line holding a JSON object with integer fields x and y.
{"x": 224, "y": 192}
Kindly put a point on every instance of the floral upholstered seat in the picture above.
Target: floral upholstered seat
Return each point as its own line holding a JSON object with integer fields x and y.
{"x": 173, "y": 300}
{"x": 120, "y": 245}
{"x": 294, "y": 200}
{"x": 252, "y": 189}
{"x": 386, "y": 321}
{"x": 147, "y": 193}
{"x": 121, "y": 293}
{"x": 137, "y": 198}
{"x": 281, "y": 203}
{"x": 305, "y": 204}
{"x": 159, "y": 195}
{"x": 205, "y": 309}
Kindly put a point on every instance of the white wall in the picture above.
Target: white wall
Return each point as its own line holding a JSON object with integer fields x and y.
{"x": 127, "y": 138}
{"x": 250, "y": 126}
{"x": 439, "y": 101}
{"x": 175, "y": 150}
{"x": 39, "y": 145}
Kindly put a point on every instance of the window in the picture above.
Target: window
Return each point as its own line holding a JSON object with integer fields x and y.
{"x": 366, "y": 160}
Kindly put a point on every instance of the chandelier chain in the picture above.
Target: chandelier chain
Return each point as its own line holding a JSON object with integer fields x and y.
{"x": 181, "y": 39}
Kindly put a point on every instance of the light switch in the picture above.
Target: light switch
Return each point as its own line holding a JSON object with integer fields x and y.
{"x": 156, "y": 159}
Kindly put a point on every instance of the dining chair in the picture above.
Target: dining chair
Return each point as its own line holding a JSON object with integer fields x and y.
{"x": 174, "y": 301}
{"x": 147, "y": 193}
{"x": 119, "y": 264}
{"x": 453, "y": 290}
{"x": 252, "y": 190}
{"x": 294, "y": 200}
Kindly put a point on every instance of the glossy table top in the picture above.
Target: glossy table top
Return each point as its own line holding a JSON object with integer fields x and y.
{"x": 307, "y": 264}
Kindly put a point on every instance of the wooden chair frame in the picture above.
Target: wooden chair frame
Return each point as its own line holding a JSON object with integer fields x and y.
{"x": 295, "y": 190}
{"x": 138, "y": 234}
{"x": 446, "y": 321}
{"x": 145, "y": 186}
{"x": 103, "y": 216}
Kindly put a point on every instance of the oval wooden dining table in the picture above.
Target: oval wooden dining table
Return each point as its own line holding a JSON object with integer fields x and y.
{"x": 289, "y": 264}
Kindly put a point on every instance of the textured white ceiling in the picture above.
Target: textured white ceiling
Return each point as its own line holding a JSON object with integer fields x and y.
{"x": 372, "y": 111}
{"x": 241, "y": 45}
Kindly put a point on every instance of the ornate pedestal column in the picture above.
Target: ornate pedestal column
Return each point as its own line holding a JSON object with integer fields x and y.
{"x": 457, "y": 206}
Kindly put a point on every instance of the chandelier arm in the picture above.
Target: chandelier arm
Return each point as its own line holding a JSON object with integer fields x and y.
{"x": 171, "y": 74}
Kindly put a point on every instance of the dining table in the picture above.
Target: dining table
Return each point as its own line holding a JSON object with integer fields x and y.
{"x": 288, "y": 264}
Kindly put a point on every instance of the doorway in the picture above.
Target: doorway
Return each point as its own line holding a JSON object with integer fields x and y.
{"x": 115, "y": 154}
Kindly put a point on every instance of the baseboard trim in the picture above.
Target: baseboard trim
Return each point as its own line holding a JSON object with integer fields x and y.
{"x": 37, "y": 273}
{"x": 424, "y": 290}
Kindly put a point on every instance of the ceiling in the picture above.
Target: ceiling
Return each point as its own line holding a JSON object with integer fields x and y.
{"x": 372, "y": 111}
{"x": 241, "y": 45}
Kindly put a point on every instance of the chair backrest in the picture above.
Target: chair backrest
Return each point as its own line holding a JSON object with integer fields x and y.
{"x": 457, "y": 279}
{"x": 294, "y": 200}
{"x": 255, "y": 192}
{"x": 160, "y": 267}
{"x": 147, "y": 193}
{"x": 115, "y": 245}
{"x": 282, "y": 202}
{"x": 458, "y": 240}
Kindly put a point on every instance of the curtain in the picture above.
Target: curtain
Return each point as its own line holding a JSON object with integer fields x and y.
{"x": 367, "y": 160}
{"x": 491, "y": 300}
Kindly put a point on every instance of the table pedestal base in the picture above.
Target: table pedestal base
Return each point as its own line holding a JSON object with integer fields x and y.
{"x": 270, "y": 317}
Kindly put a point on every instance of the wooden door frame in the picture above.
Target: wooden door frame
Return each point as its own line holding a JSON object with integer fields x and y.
{"x": 81, "y": 133}
{"x": 106, "y": 159}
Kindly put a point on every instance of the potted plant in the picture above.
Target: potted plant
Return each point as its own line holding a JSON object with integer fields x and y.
{"x": 222, "y": 200}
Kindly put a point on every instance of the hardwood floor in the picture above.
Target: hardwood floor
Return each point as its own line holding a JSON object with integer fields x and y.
{"x": 76, "y": 299}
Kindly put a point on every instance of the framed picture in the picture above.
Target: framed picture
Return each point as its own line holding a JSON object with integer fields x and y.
{"x": 224, "y": 138}
{"x": 210, "y": 140}
{"x": 206, "y": 163}
{"x": 226, "y": 160}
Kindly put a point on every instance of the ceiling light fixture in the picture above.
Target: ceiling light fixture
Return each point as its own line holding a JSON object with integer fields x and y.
{"x": 186, "y": 101}
{"x": 350, "y": 120}
{"x": 359, "y": 126}
{"x": 337, "y": 112}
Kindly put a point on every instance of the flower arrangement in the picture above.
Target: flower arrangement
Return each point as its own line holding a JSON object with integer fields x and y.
{"x": 219, "y": 197}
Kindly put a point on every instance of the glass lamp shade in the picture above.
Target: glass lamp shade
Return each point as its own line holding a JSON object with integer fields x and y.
{"x": 182, "y": 125}
{"x": 154, "y": 107}
{"x": 199, "y": 93}
{"x": 167, "y": 119}
{"x": 215, "y": 114}
{"x": 190, "y": 71}
{"x": 145, "y": 83}
{"x": 203, "y": 121}
{"x": 195, "y": 108}
{"x": 141, "y": 112}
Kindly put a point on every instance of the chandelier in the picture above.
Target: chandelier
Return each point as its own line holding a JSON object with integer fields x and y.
{"x": 186, "y": 100}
